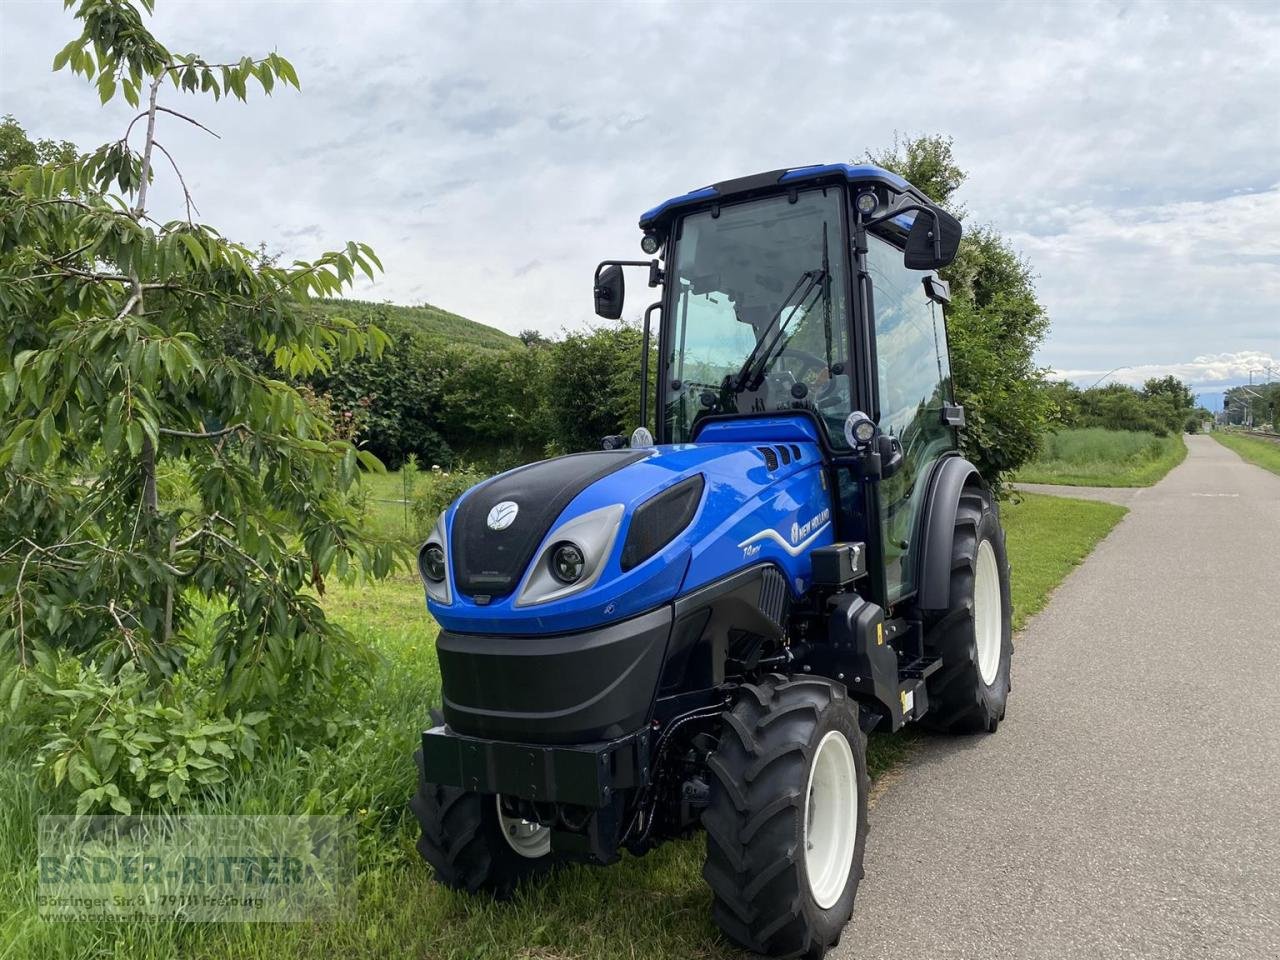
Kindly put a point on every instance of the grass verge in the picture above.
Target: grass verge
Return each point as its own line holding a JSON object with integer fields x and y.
{"x": 1047, "y": 537}
{"x": 655, "y": 906}
{"x": 1260, "y": 452}
{"x": 1094, "y": 457}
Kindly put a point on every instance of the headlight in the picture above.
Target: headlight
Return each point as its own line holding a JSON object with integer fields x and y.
{"x": 567, "y": 563}
{"x": 572, "y": 556}
{"x": 433, "y": 564}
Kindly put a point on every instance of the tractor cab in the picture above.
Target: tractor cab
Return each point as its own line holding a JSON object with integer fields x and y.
{"x": 809, "y": 292}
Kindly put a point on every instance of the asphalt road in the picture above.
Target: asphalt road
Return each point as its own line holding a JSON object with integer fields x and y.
{"x": 1129, "y": 805}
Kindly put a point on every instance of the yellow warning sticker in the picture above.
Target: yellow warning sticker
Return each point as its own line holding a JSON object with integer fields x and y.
{"x": 880, "y": 634}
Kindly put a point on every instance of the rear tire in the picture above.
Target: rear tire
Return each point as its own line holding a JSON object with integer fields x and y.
{"x": 787, "y": 820}
{"x": 974, "y": 639}
{"x": 465, "y": 840}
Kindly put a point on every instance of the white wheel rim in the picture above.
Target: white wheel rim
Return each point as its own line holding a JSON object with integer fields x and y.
{"x": 526, "y": 838}
{"x": 987, "y": 613}
{"x": 830, "y": 819}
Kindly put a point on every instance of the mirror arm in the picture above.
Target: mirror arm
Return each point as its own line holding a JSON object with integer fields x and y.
{"x": 655, "y": 271}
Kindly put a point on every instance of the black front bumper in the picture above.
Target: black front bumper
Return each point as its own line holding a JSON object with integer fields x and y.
{"x": 588, "y": 775}
{"x": 575, "y": 688}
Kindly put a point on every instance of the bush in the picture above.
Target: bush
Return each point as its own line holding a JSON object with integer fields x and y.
{"x": 118, "y": 743}
{"x": 440, "y": 488}
{"x": 593, "y": 386}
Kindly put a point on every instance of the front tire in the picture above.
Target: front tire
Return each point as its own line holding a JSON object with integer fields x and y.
{"x": 787, "y": 820}
{"x": 974, "y": 638}
{"x": 471, "y": 844}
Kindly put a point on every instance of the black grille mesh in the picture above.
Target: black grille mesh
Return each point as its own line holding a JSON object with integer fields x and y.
{"x": 657, "y": 521}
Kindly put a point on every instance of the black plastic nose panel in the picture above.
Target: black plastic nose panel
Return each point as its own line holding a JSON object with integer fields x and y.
{"x": 488, "y": 561}
{"x": 569, "y": 688}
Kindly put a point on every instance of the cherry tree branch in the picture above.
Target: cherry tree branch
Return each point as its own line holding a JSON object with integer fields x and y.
{"x": 186, "y": 194}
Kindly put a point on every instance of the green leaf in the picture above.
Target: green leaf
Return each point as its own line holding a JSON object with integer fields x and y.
{"x": 106, "y": 87}
{"x": 133, "y": 437}
{"x": 195, "y": 248}
{"x": 63, "y": 55}
{"x": 284, "y": 69}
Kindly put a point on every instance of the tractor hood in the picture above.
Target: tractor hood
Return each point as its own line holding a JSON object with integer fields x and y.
{"x": 642, "y": 527}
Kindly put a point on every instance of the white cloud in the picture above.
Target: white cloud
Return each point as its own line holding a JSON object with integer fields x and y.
{"x": 1211, "y": 370}
{"x": 1130, "y": 150}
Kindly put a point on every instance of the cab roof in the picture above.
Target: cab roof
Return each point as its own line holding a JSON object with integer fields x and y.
{"x": 773, "y": 179}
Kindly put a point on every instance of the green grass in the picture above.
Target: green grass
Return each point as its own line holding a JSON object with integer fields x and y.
{"x": 1094, "y": 457}
{"x": 1264, "y": 453}
{"x": 1047, "y": 536}
{"x": 655, "y": 906}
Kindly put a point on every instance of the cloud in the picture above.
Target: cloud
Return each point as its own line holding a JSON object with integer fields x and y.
{"x": 1129, "y": 151}
{"x": 1211, "y": 370}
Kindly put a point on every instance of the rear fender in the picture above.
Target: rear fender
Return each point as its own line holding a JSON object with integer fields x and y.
{"x": 948, "y": 479}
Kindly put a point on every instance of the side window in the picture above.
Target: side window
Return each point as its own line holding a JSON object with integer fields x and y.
{"x": 915, "y": 381}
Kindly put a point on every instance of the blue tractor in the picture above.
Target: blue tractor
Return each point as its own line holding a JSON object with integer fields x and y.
{"x": 698, "y": 632}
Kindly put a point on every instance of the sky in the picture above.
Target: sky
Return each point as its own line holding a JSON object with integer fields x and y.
{"x": 492, "y": 153}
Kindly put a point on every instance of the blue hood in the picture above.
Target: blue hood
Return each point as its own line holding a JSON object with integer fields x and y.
{"x": 760, "y": 503}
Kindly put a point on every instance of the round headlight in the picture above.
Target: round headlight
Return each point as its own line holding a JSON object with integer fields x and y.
{"x": 567, "y": 563}
{"x": 867, "y": 202}
{"x": 650, "y": 243}
{"x": 431, "y": 562}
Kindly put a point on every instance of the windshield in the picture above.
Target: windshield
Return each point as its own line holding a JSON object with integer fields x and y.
{"x": 759, "y": 320}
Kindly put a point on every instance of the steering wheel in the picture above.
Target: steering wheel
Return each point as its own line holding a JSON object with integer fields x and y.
{"x": 809, "y": 362}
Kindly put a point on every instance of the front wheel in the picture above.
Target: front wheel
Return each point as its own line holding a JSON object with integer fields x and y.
{"x": 974, "y": 638}
{"x": 473, "y": 842}
{"x": 787, "y": 820}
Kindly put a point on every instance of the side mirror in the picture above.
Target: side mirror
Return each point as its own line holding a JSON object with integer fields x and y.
{"x": 610, "y": 292}
{"x": 933, "y": 240}
{"x": 891, "y": 455}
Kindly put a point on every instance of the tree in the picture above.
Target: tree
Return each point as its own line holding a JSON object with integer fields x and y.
{"x": 116, "y": 373}
{"x": 995, "y": 322}
{"x": 19, "y": 150}
{"x": 532, "y": 338}
{"x": 593, "y": 386}
{"x": 1171, "y": 389}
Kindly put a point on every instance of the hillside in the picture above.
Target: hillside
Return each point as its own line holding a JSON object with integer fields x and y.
{"x": 427, "y": 319}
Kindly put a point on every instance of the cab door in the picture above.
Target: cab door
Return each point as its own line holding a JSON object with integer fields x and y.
{"x": 913, "y": 373}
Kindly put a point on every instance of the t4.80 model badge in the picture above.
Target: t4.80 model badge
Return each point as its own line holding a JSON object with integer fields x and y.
{"x": 503, "y": 515}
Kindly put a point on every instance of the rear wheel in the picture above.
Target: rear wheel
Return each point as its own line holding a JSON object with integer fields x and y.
{"x": 974, "y": 638}
{"x": 787, "y": 820}
{"x": 473, "y": 843}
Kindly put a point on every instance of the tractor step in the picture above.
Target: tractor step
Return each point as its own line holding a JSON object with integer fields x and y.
{"x": 920, "y": 669}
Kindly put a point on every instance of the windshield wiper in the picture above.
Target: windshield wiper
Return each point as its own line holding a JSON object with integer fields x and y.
{"x": 757, "y": 362}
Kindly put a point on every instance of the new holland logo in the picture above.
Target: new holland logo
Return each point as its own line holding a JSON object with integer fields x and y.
{"x": 801, "y": 530}
{"x": 802, "y": 536}
{"x": 503, "y": 515}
